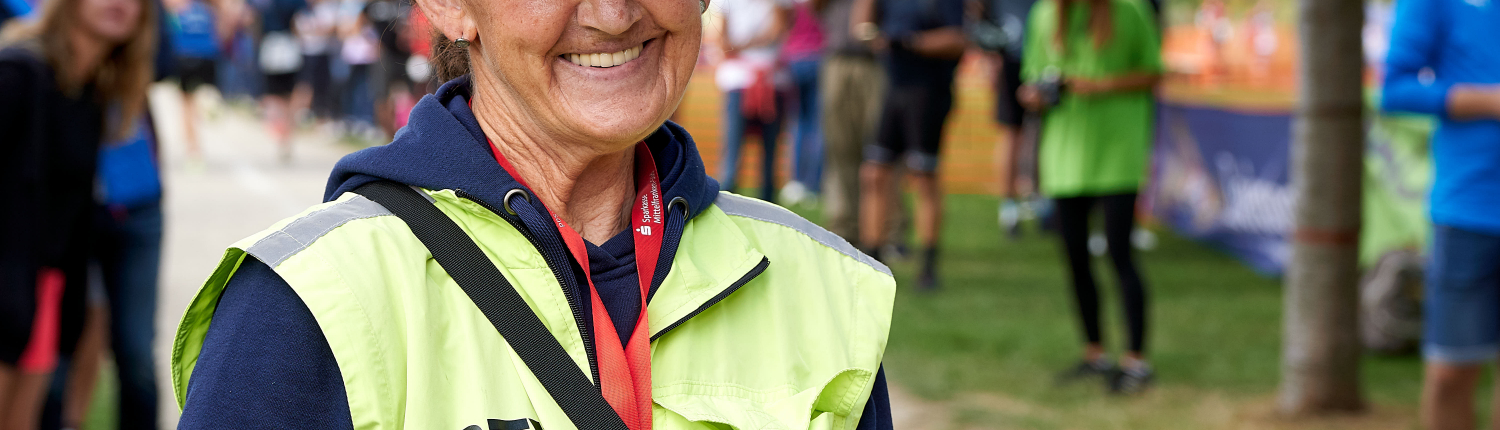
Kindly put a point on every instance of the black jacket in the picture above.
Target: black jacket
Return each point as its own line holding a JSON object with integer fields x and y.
{"x": 48, "y": 152}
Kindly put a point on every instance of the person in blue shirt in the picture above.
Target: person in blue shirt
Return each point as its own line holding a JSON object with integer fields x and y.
{"x": 280, "y": 61}
{"x": 195, "y": 41}
{"x": 1444, "y": 61}
{"x": 922, "y": 42}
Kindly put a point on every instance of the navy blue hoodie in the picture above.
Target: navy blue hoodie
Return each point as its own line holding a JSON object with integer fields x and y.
{"x": 279, "y": 372}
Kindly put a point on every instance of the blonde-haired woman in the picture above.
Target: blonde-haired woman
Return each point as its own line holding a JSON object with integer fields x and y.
{"x": 60, "y": 75}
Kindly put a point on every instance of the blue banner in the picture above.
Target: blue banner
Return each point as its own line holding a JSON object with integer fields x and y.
{"x": 1220, "y": 176}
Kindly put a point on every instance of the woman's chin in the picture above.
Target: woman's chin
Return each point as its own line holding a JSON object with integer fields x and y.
{"x": 617, "y": 129}
{"x": 617, "y": 119}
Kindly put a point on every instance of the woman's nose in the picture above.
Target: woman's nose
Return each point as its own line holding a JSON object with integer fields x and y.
{"x": 613, "y": 17}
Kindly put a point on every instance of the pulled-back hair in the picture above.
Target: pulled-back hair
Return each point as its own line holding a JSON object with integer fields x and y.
{"x": 448, "y": 61}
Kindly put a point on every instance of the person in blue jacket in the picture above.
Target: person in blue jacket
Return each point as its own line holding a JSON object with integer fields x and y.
{"x": 265, "y": 363}
{"x": 1444, "y": 61}
{"x": 195, "y": 42}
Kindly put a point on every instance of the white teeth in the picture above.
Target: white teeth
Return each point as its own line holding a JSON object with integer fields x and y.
{"x": 605, "y": 60}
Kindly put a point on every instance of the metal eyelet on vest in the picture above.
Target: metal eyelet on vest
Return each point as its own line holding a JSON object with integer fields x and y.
{"x": 677, "y": 200}
{"x": 513, "y": 193}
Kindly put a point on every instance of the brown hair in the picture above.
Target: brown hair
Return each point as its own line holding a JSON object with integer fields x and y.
{"x": 1101, "y": 21}
{"x": 447, "y": 61}
{"x": 122, "y": 76}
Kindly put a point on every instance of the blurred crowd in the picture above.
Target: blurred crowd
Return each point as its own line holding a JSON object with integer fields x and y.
{"x": 353, "y": 65}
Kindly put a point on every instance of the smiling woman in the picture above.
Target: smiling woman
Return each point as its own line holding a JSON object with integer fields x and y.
{"x": 541, "y": 248}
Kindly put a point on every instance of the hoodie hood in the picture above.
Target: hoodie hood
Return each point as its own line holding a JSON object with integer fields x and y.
{"x": 442, "y": 147}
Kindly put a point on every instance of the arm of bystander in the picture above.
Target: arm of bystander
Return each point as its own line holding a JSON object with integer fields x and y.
{"x": 1411, "y": 83}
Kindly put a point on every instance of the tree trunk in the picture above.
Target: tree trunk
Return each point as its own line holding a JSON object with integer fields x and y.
{"x": 1321, "y": 350}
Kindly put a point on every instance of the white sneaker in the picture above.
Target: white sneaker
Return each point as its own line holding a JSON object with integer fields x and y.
{"x": 793, "y": 193}
{"x": 1098, "y": 245}
{"x": 1143, "y": 239}
{"x": 1010, "y": 217}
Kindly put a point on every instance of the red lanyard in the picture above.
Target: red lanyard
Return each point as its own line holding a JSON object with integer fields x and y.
{"x": 624, "y": 371}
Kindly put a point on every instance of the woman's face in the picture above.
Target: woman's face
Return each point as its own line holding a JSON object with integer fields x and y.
{"x": 113, "y": 21}
{"x": 605, "y": 72}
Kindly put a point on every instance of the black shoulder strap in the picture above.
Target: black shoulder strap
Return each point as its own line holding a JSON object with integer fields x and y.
{"x": 500, "y": 303}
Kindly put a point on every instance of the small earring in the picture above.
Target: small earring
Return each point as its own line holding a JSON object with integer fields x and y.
{"x": 702, "y": 6}
{"x": 462, "y": 43}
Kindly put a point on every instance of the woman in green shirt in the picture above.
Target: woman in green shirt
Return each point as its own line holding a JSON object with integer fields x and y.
{"x": 1101, "y": 59}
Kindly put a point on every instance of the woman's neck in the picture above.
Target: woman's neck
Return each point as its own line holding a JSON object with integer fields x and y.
{"x": 589, "y": 188}
{"x": 86, "y": 51}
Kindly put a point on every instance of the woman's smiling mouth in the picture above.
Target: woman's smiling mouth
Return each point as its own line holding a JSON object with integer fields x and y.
{"x": 605, "y": 60}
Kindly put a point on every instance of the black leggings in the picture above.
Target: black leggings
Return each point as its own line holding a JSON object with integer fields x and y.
{"x": 1119, "y": 221}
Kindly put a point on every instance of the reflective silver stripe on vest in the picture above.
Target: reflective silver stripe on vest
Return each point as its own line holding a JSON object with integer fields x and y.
{"x": 746, "y": 207}
{"x": 301, "y": 233}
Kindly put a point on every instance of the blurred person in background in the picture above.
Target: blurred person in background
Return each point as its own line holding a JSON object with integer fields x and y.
{"x": 239, "y": 74}
{"x": 1443, "y": 61}
{"x": 359, "y": 50}
{"x": 59, "y": 75}
{"x": 122, "y": 275}
{"x": 751, "y": 77}
{"x": 388, "y": 76}
{"x": 999, "y": 28}
{"x": 922, "y": 41}
{"x": 851, "y": 86}
{"x": 802, "y": 54}
{"x": 196, "y": 37}
{"x": 280, "y": 59}
{"x": 317, "y": 34}
{"x": 418, "y": 37}
{"x": 1090, "y": 67}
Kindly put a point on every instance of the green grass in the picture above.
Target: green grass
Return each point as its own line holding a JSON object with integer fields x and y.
{"x": 104, "y": 408}
{"x": 989, "y": 343}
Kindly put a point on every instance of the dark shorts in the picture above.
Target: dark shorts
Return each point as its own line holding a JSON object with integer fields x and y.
{"x": 1461, "y": 319}
{"x": 196, "y": 72}
{"x": 911, "y": 125}
{"x": 1008, "y": 110}
{"x": 281, "y": 84}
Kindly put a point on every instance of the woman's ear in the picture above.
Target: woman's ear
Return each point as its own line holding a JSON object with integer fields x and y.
{"x": 450, "y": 18}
